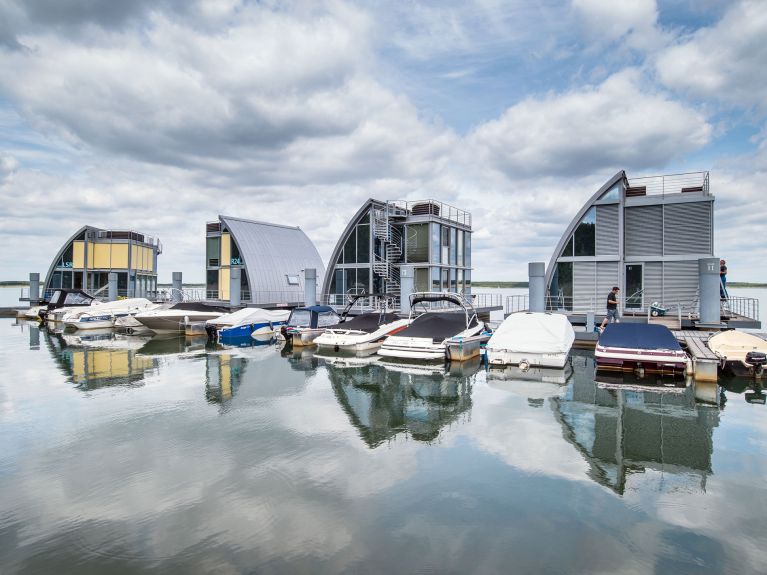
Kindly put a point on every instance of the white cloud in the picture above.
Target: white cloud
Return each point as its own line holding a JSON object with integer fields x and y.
{"x": 611, "y": 21}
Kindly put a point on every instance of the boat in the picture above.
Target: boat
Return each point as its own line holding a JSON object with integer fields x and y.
{"x": 742, "y": 354}
{"x": 172, "y": 319}
{"x": 362, "y": 332}
{"x": 427, "y": 335}
{"x": 64, "y": 301}
{"x": 103, "y": 315}
{"x": 306, "y": 324}
{"x": 247, "y": 322}
{"x": 129, "y": 325}
{"x": 531, "y": 339}
{"x": 640, "y": 347}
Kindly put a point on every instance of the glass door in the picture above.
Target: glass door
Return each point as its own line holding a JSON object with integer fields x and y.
{"x": 634, "y": 286}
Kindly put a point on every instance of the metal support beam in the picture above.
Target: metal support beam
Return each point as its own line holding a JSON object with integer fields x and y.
{"x": 177, "y": 294}
{"x": 234, "y": 286}
{"x": 310, "y": 286}
{"x": 708, "y": 276}
{"x": 34, "y": 289}
{"x": 536, "y": 273}
{"x": 112, "y": 289}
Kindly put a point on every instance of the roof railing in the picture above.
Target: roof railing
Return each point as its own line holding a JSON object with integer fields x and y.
{"x": 690, "y": 182}
{"x": 428, "y": 208}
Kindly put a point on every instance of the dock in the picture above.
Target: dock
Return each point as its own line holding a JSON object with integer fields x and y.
{"x": 705, "y": 363}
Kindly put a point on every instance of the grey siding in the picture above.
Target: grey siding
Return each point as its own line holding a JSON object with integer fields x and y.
{"x": 607, "y": 277}
{"x": 607, "y": 230}
{"x": 653, "y": 283}
{"x": 584, "y": 285}
{"x": 643, "y": 233}
{"x": 680, "y": 283}
{"x": 688, "y": 228}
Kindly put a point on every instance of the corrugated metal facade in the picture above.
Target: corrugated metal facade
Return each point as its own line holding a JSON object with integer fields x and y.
{"x": 584, "y": 284}
{"x": 680, "y": 283}
{"x": 607, "y": 230}
{"x": 643, "y": 231}
{"x": 607, "y": 277}
{"x": 688, "y": 228}
{"x": 653, "y": 283}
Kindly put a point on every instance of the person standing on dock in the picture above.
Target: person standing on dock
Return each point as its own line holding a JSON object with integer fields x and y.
{"x": 722, "y": 279}
{"x": 612, "y": 308}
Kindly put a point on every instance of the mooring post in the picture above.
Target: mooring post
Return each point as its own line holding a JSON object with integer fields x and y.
{"x": 234, "y": 287}
{"x": 112, "y": 283}
{"x": 177, "y": 294}
{"x": 310, "y": 287}
{"x": 34, "y": 288}
{"x": 536, "y": 275}
{"x": 708, "y": 277}
{"x": 589, "y": 321}
{"x": 406, "y": 287}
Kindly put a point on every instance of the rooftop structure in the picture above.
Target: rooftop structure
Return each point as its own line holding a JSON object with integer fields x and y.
{"x": 271, "y": 259}
{"x": 86, "y": 259}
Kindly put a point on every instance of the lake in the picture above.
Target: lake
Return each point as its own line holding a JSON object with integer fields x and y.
{"x": 124, "y": 455}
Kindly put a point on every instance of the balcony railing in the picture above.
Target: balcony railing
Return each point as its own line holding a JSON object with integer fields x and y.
{"x": 428, "y": 208}
{"x": 690, "y": 182}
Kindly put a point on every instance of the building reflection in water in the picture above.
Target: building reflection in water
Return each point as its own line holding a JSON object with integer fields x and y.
{"x": 622, "y": 432}
{"x": 383, "y": 400}
{"x": 100, "y": 359}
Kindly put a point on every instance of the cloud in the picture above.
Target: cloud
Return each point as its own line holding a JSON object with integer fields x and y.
{"x": 724, "y": 62}
{"x": 609, "y": 21}
{"x": 619, "y": 123}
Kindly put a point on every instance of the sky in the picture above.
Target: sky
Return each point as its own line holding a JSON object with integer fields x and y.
{"x": 158, "y": 115}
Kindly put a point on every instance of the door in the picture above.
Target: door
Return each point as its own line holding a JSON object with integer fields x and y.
{"x": 634, "y": 292}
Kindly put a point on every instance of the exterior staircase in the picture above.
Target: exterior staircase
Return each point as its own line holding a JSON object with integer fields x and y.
{"x": 387, "y": 266}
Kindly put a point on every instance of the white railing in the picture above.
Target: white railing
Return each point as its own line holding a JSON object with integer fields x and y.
{"x": 672, "y": 184}
{"x": 743, "y": 306}
{"x": 428, "y": 208}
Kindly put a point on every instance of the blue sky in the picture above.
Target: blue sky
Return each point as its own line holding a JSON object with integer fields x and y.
{"x": 160, "y": 115}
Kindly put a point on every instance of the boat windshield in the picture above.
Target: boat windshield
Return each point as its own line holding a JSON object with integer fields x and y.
{"x": 76, "y": 298}
{"x": 327, "y": 318}
{"x": 300, "y": 318}
{"x": 55, "y": 297}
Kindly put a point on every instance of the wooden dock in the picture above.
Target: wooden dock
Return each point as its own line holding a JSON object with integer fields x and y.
{"x": 705, "y": 363}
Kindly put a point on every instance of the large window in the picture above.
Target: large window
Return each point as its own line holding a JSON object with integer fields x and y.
{"x": 561, "y": 289}
{"x": 213, "y": 249}
{"x": 421, "y": 280}
{"x": 211, "y": 284}
{"x": 467, "y": 249}
{"x": 435, "y": 275}
{"x": 350, "y": 248}
{"x": 459, "y": 248}
{"x": 417, "y": 243}
{"x": 445, "y": 245}
{"x": 363, "y": 243}
{"x": 584, "y": 238}
{"x": 236, "y": 258}
{"x": 357, "y": 247}
{"x": 435, "y": 235}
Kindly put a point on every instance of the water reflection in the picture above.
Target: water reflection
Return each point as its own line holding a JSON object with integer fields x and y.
{"x": 622, "y": 432}
{"x": 751, "y": 389}
{"x": 383, "y": 400}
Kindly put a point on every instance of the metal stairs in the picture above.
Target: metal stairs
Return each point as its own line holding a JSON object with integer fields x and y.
{"x": 387, "y": 266}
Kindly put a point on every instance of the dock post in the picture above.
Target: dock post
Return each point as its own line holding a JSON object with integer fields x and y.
{"x": 310, "y": 287}
{"x": 177, "y": 294}
{"x": 131, "y": 283}
{"x": 406, "y": 287}
{"x": 112, "y": 289}
{"x": 536, "y": 274}
{"x": 234, "y": 287}
{"x": 589, "y": 321}
{"x": 34, "y": 288}
{"x": 708, "y": 277}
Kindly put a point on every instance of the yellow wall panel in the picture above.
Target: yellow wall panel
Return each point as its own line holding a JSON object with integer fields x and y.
{"x": 101, "y": 257}
{"x": 120, "y": 256}
{"x": 223, "y": 284}
{"x": 148, "y": 259}
{"x": 226, "y": 251}
{"x": 78, "y": 255}
{"x": 134, "y": 262}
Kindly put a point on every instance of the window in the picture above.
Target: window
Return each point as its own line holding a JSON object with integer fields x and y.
{"x": 453, "y": 243}
{"x": 467, "y": 249}
{"x": 77, "y": 299}
{"x": 293, "y": 280}
{"x": 453, "y": 284}
{"x": 467, "y": 280}
{"x": 568, "y": 251}
{"x": 613, "y": 193}
{"x": 435, "y": 235}
{"x": 561, "y": 289}
{"x": 459, "y": 248}
{"x": 211, "y": 284}
{"x": 461, "y": 286}
{"x": 417, "y": 243}
{"x": 584, "y": 238}
{"x": 445, "y": 284}
{"x": 327, "y": 318}
{"x": 236, "y": 259}
{"x": 445, "y": 245}
{"x": 421, "y": 280}
{"x": 363, "y": 244}
{"x": 350, "y": 248}
{"x": 213, "y": 249}
{"x": 435, "y": 279}
{"x": 300, "y": 318}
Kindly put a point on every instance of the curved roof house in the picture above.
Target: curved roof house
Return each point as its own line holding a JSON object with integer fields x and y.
{"x": 429, "y": 237}
{"x": 644, "y": 235}
{"x": 271, "y": 258}
{"x": 86, "y": 258}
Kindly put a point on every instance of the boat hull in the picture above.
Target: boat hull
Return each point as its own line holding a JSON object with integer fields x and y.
{"x": 303, "y": 337}
{"x": 508, "y": 357}
{"x": 665, "y": 363}
{"x": 102, "y": 322}
{"x": 163, "y": 324}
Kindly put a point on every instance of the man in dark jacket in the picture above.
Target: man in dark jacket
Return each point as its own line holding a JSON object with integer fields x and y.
{"x": 613, "y": 316}
{"x": 722, "y": 279}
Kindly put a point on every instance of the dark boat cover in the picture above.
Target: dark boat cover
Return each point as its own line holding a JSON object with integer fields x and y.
{"x": 197, "y": 306}
{"x": 437, "y": 325}
{"x": 638, "y": 336}
{"x": 367, "y": 322}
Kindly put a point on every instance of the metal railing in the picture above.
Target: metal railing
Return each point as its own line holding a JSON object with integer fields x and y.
{"x": 743, "y": 306}
{"x": 259, "y": 297}
{"x": 671, "y": 184}
{"x": 370, "y": 303}
{"x": 428, "y": 208}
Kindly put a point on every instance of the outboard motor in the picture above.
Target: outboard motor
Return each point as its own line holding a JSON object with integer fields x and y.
{"x": 756, "y": 361}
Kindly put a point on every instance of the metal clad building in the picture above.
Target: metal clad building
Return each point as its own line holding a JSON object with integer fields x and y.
{"x": 271, "y": 258}
{"x": 644, "y": 235}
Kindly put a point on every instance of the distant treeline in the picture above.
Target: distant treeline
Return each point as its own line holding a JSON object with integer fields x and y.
{"x": 500, "y": 284}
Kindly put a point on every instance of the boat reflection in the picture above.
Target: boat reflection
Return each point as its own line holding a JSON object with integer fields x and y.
{"x": 384, "y": 399}
{"x": 100, "y": 360}
{"x": 751, "y": 389}
{"x": 622, "y": 432}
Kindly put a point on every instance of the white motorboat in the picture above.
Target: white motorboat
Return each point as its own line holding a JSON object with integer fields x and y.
{"x": 64, "y": 301}
{"x": 128, "y": 324}
{"x": 103, "y": 315}
{"x": 428, "y": 333}
{"x": 32, "y": 312}
{"x": 742, "y": 354}
{"x": 173, "y": 319}
{"x": 306, "y": 324}
{"x": 531, "y": 339}
{"x": 363, "y": 332}
{"x": 248, "y": 322}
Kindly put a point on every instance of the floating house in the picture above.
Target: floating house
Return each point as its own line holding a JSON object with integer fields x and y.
{"x": 644, "y": 235}
{"x": 270, "y": 259}
{"x": 86, "y": 259}
{"x": 429, "y": 238}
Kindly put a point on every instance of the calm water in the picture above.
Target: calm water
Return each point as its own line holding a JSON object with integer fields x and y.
{"x": 136, "y": 454}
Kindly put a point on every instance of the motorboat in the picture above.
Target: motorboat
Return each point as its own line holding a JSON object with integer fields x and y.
{"x": 640, "y": 347}
{"x": 531, "y": 339}
{"x": 247, "y": 322}
{"x": 103, "y": 315}
{"x": 128, "y": 324}
{"x": 32, "y": 312}
{"x": 362, "y": 332}
{"x": 306, "y": 324}
{"x": 173, "y": 319}
{"x": 742, "y": 354}
{"x": 64, "y": 301}
{"x": 429, "y": 331}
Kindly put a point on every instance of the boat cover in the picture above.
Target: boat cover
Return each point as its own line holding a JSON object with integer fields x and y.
{"x": 734, "y": 345}
{"x": 529, "y": 332}
{"x": 638, "y": 336}
{"x": 197, "y": 306}
{"x": 437, "y": 325}
{"x": 250, "y": 315}
{"x": 367, "y": 322}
